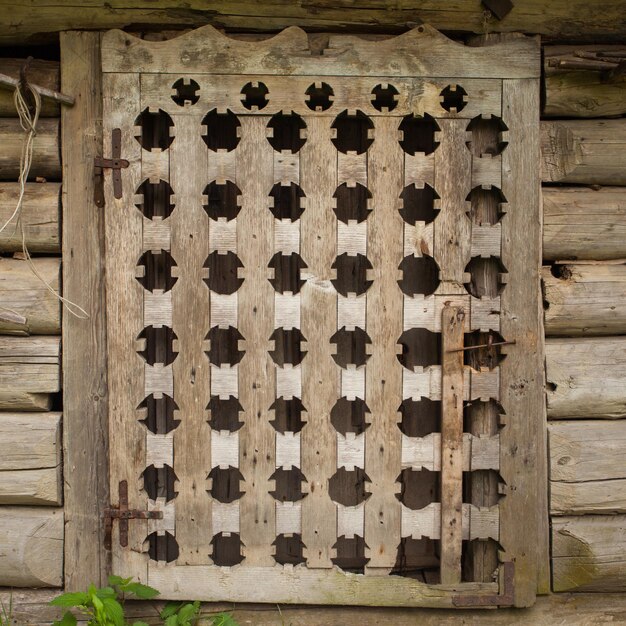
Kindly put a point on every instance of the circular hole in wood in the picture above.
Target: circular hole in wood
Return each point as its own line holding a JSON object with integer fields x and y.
{"x": 418, "y": 488}
{"x": 478, "y": 413}
{"x": 418, "y": 134}
{"x": 224, "y": 413}
{"x": 319, "y": 96}
{"x": 453, "y": 98}
{"x": 222, "y": 200}
{"x": 288, "y": 484}
{"x": 226, "y": 550}
{"x": 420, "y": 417}
{"x": 289, "y": 549}
{"x": 352, "y": 202}
{"x": 347, "y": 487}
{"x": 486, "y": 205}
{"x": 486, "y": 133}
{"x": 155, "y": 130}
{"x": 185, "y": 92}
{"x": 420, "y": 275}
{"x": 384, "y": 97}
{"x": 159, "y": 418}
{"x": 350, "y": 347}
{"x": 287, "y": 201}
{"x": 159, "y": 345}
{"x": 288, "y": 415}
{"x": 353, "y": 132}
{"x": 162, "y": 547}
{"x": 221, "y": 130}
{"x": 254, "y": 96}
{"x": 419, "y": 204}
{"x": 157, "y": 271}
{"x": 287, "y": 272}
{"x": 287, "y": 346}
{"x": 156, "y": 200}
{"x": 350, "y": 554}
{"x": 349, "y": 416}
{"x": 223, "y": 268}
{"x": 159, "y": 482}
{"x": 224, "y": 346}
{"x": 488, "y": 356}
{"x": 285, "y": 132}
{"x": 418, "y": 559}
{"x": 351, "y": 274}
{"x": 420, "y": 348}
{"x": 225, "y": 485}
{"x": 486, "y": 277}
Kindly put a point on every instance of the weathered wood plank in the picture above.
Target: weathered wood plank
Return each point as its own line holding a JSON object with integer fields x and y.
{"x": 24, "y": 401}
{"x": 40, "y": 215}
{"x": 589, "y": 553}
{"x": 585, "y": 377}
{"x": 581, "y": 93}
{"x": 46, "y": 150}
{"x": 559, "y": 19}
{"x": 594, "y": 496}
{"x": 84, "y": 342}
{"x": 29, "y": 365}
{"x": 40, "y": 73}
{"x": 31, "y": 547}
{"x": 583, "y": 223}
{"x": 28, "y": 307}
{"x": 589, "y": 152}
{"x": 584, "y": 299}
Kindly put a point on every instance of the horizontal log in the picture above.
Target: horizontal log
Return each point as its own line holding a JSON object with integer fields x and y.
{"x": 592, "y": 497}
{"x": 584, "y": 299}
{"x": 24, "y": 401}
{"x": 583, "y": 223}
{"x": 40, "y": 213}
{"x": 41, "y": 73}
{"x": 29, "y": 365}
{"x": 584, "y": 93}
{"x": 585, "y": 377}
{"x": 31, "y": 546}
{"x": 589, "y": 553}
{"x": 28, "y": 307}
{"x": 46, "y": 151}
{"x": 591, "y": 152}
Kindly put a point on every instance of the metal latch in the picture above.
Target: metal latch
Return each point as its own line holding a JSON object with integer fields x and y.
{"x": 115, "y": 164}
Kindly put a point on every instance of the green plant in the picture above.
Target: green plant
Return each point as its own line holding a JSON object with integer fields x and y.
{"x": 103, "y": 606}
{"x": 6, "y": 613}
{"x": 188, "y": 614}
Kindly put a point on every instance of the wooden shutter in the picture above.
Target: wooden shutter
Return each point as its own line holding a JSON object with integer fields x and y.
{"x": 303, "y": 254}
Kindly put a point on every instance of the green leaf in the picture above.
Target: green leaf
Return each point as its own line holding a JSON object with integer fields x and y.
{"x": 172, "y": 620}
{"x": 187, "y": 612}
{"x": 170, "y": 609}
{"x": 97, "y": 603}
{"x": 67, "y": 620}
{"x": 106, "y": 592}
{"x": 224, "y": 619}
{"x": 143, "y": 592}
{"x": 140, "y": 624}
{"x": 118, "y": 580}
{"x": 114, "y": 611}
{"x": 71, "y": 599}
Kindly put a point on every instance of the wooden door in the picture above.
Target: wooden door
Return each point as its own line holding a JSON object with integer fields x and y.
{"x": 307, "y": 244}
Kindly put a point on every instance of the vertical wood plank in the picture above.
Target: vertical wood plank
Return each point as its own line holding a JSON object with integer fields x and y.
{"x": 124, "y": 226}
{"x": 452, "y": 328}
{"x": 85, "y": 408}
{"x": 523, "y": 451}
{"x": 383, "y": 384}
{"x": 320, "y": 374}
{"x": 189, "y": 249}
{"x": 257, "y": 376}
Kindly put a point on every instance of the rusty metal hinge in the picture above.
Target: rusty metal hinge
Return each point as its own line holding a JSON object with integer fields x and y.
{"x": 115, "y": 164}
{"x": 122, "y": 513}
{"x": 504, "y": 598}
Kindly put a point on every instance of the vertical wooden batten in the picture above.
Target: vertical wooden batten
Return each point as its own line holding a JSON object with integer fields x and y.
{"x": 85, "y": 432}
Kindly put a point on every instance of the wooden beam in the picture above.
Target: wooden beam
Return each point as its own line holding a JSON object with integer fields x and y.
{"x": 29, "y": 365}
{"x": 42, "y": 73}
{"x": 589, "y": 553}
{"x": 40, "y": 20}
{"x": 28, "y": 306}
{"x": 585, "y": 377}
{"x": 84, "y": 342}
{"x": 582, "y": 93}
{"x": 24, "y": 401}
{"x": 31, "y": 547}
{"x": 584, "y": 300}
{"x": 590, "y": 152}
{"x": 583, "y": 223}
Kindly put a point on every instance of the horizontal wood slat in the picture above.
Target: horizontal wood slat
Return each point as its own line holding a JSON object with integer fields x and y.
{"x": 41, "y": 73}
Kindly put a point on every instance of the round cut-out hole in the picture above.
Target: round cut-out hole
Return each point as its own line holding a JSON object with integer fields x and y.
{"x": 222, "y": 200}
{"x": 225, "y": 485}
{"x": 287, "y": 346}
{"x": 159, "y": 345}
{"x": 285, "y": 132}
{"x": 486, "y": 136}
{"x": 420, "y": 275}
{"x": 350, "y": 554}
{"x": 486, "y": 205}
{"x": 351, "y": 274}
{"x": 288, "y": 484}
{"x": 419, "y": 204}
{"x": 287, "y": 272}
{"x": 486, "y": 277}
{"x": 453, "y": 98}
{"x": 156, "y": 200}
{"x": 418, "y": 559}
{"x": 224, "y": 413}
{"x": 420, "y": 348}
{"x": 485, "y": 357}
{"x": 420, "y": 417}
{"x": 419, "y": 488}
{"x": 418, "y": 134}
{"x": 162, "y": 547}
{"x": 352, "y": 203}
{"x": 348, "y": 416}
{"x": 384, "y": 98}
{"x": 159, "y": 418}
{"x": 223, "y": 270}
{"x": 347, "y": 487}
{"x": 288, "y": 415}
{"x": 224, "y": 346}
{"x": 319, "y": 97}
{"x": 155, "y": 130}
{"x": 289, "y": 549}
{"x": 159, "y": 482}
{"x": 157, "y": 271}
{"x": 185, "y": 92}
{"x": 254, "y": 96}
{"x": 353, "y": 132}
{"x": 287, "y": 201}
{"x": 226, "y": 549}
{"x": 351, "y": 347}
{"x": 221, "y": 130}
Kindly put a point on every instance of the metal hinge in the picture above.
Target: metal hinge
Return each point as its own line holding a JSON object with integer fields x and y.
{"x": 504, "y": 598}
{"x": 115, "y": 164}
{"x": 122, "y": 513}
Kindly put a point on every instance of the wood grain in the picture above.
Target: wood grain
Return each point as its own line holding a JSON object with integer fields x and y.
{"x": 29, "y": 365}
{"x": 41, "y": 73}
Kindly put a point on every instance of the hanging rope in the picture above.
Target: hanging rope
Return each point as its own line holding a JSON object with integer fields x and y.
{"x": 28, "y": 122}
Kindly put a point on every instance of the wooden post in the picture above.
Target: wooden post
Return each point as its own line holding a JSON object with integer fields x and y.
{"x": 452, "y": 327}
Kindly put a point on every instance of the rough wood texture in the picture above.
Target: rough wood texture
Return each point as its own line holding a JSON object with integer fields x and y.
{"x": 84, "y": 341}
{"x": 560, "y": 18}
{"x": 581, "y": 93}
{"x": 31, "y": 547}
{"x": 40, "y": 73}
{"x": 585, "y": 377}
{"x": 587, "y": 472}
{"x": 589, "y": 553}
{"x": 584, "y": 299}
{"x": 27, "y": 305}
{"x": 46, "y": 150}
{"x": 30, "y": 465}
{"x": 24, "y": 401}
{"x": 589, "y": 152}
{"x": 582, "y": 223}
{"x": 40, "y": 214}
